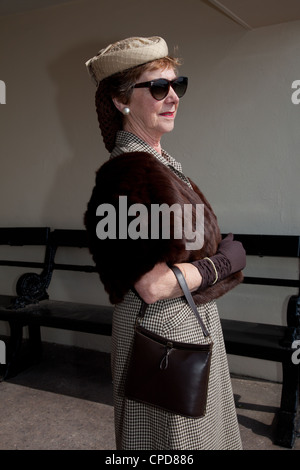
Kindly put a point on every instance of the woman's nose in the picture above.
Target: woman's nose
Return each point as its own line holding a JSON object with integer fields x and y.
{"x": 171, "y": 96}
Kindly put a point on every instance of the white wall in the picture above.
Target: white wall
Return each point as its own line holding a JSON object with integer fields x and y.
{"x": 237, "y": 133}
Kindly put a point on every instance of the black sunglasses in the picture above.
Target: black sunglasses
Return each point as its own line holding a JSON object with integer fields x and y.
{"x": 159, "y": 88}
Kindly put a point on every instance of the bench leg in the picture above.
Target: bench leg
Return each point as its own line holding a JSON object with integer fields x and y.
{"x": 35, "y": 342}
{"x": 287, "y": 418}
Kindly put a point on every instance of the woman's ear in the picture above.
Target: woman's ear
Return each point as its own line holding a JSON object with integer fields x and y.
{"x": 118, "y": 104}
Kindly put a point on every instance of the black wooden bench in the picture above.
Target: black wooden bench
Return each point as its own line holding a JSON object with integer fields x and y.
{"x": 273, "y": 342}
{"x": 32, "y": 307}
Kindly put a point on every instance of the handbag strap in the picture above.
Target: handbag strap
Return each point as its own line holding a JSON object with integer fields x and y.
{"x": 182, "y": 282}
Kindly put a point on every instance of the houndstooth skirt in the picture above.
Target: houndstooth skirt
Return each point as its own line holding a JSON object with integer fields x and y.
{"x": 144, "y": 427}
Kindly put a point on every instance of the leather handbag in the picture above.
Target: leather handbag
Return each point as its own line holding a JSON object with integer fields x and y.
{"x": 167, "y": 374}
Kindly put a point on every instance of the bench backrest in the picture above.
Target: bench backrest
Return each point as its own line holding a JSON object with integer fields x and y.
{"x": 70, "y": 238}
{"x": 277, "y": 246}
{"x": 36, "y": 236}
{"x": 281, "y": 246}
{"x": 33, "y": 287}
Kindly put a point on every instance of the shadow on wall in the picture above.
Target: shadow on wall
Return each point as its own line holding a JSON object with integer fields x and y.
{"x": 75, "y": 102}
{"x": 75, "y": 94}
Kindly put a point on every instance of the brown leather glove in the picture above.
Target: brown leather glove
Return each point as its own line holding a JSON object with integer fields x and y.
{"x": 230, "y": 258}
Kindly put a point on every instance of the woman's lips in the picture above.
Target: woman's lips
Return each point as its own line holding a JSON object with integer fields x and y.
{"x": 168, "y": 114}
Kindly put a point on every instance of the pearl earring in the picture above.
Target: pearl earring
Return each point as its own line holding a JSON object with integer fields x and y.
{"x": 126, "y": 111}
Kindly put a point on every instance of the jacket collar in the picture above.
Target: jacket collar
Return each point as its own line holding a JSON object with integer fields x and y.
{"x": 128, "y": 142}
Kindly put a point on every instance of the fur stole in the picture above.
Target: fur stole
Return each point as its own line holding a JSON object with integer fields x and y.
{"x": 145, "y": 180}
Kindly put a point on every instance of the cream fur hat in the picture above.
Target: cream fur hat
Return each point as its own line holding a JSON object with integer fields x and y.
{"x": 125, "y": 54}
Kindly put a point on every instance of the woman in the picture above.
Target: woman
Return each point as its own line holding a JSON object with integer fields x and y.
{"x": 137, "y": 98}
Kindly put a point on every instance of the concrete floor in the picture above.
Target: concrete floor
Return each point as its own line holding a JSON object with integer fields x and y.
{"x": 64, "y": 403}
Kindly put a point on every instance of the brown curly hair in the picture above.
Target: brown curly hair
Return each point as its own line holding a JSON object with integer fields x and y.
{"x": 120, "y": 85}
